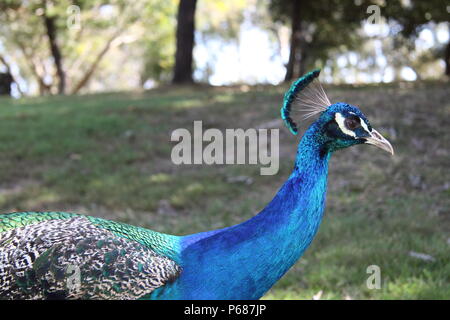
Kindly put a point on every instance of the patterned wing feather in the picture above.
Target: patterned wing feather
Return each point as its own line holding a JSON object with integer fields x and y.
{"x": 72, "y": 258}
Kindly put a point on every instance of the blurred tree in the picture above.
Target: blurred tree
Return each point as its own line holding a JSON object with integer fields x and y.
{"x": 318, "y": 28}
{"x": 6, "y": 80}
{"x": 218, "y": 23}
{"x": 221, "y": 19}
{"x": 184, "y": 41}
{"x": 413, "y": 16}
{"x": 51, "y": 29}
{"x": 38, "y": 35}
{"x": 22, "y": 40}
{"x": 158, "y": 47}
{"x": 13, "y": 79}
{"x": 447, "y": 56}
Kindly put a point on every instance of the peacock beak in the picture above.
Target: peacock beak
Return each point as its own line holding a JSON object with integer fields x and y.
{"x": 379, "y": 141}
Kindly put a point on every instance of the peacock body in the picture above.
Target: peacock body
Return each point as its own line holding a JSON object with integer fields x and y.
{"x": 58, "y": 255}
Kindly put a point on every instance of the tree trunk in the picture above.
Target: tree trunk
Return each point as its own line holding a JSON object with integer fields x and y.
{"x": 8, "y": 71}
{"x": 185, "y": 41}
{"x": 296, "y": 36}
{"x": 6, "y": 80}
{"x": 447, "y": 59}
{"x": 56, "y": 53}
{"x": 303, "y": 61}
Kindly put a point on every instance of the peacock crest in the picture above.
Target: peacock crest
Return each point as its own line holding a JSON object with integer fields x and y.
{"x": 305, "y": 97}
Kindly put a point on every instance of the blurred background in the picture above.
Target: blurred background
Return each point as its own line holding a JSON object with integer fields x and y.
{"x": 70, "y": 47}
{"x": 90, "y": 91}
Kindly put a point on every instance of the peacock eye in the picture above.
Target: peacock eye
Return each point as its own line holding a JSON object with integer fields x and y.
{"x": 352, "y": 123}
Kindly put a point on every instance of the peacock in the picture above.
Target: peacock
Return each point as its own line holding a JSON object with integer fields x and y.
{"x": 60, "y": 255}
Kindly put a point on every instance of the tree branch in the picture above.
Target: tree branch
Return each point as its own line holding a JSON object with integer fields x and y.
{"x": 43, "y": 87}
{"x": 50, "y": 28}
{"x": 90, "y": 71}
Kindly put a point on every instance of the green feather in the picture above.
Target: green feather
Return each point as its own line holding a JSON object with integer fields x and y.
{"x": 290, "y": 95}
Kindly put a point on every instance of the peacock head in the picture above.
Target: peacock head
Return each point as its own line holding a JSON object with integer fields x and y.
{"x": 344, "y": 125}
{"x": 339, "y": 125}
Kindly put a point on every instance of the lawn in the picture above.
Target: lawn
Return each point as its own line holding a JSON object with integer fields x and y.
{"x": 108, "y": 155}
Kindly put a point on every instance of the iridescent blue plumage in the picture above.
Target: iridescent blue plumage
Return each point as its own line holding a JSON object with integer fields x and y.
{"x": 244, "y": 261}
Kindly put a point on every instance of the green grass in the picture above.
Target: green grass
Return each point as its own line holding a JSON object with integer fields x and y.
{"x": 108, "y": 155}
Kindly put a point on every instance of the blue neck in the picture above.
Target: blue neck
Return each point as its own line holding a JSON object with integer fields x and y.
{"x": 245, "y": 260}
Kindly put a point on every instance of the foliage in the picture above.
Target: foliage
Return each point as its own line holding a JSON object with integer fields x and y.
{"x": 120, "y": 44}
{"x": 327, "y": 26}
{"x": 104, "y": 26}
{"x": 159, "y": 41}
{"x": 414, "y": 15}
{"x": 220, "y": 18}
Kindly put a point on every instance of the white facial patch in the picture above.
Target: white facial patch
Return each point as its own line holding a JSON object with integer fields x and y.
{"x": 364, "y": 125}
{"x": 340, "y": 121}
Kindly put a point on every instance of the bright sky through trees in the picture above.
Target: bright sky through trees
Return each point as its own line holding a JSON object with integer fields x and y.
{"x": 236, "y": 41}
{"x": 255, "y": 59}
